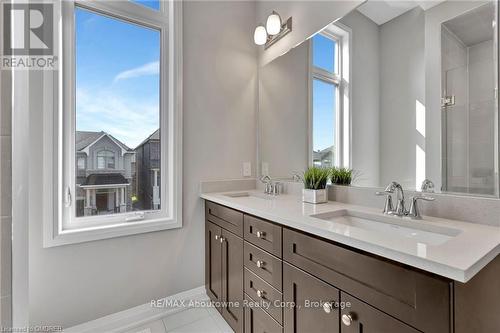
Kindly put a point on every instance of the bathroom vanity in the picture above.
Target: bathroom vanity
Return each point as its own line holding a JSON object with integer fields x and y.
{"x": 398, "y": 92}
{"x": 298, "y": 272}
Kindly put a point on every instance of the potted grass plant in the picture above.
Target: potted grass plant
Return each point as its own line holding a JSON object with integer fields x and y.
{"x": 341, "y": 176}
{"x": 315, "y": 179}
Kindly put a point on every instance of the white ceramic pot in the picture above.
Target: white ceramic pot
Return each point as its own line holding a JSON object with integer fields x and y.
{"x": 314, "y": 196}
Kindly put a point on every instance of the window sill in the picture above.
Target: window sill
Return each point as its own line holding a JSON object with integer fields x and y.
{"x": 75, "y": 236}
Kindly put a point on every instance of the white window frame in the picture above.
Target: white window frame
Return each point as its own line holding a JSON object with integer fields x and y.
{"x": 61, "y": 226}
{"x": 341, "y": 78}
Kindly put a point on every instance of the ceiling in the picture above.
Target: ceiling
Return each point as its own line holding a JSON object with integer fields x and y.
{"x": 382, "y": 11}
{"x": 474, "y": 26}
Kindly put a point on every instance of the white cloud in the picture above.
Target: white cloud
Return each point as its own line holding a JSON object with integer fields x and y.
{"x": 151, "y": 68}
{"x": 130, "y": 119}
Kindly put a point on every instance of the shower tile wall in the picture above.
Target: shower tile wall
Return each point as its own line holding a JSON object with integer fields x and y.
{"x": 481, "y": 118}
{"x": 454, "y": 74}
{"x": 468, "y": 153}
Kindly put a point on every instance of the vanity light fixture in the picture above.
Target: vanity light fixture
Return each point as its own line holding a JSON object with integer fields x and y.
{"x": 273, "y": 24}
{"x": 260, "y": 35}
{"x": 273, "y": 31}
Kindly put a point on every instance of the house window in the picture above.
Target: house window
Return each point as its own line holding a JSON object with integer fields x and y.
{"x": 105, "y": 159}
{"x": 330, "y": 108}
{"x": 81, "y": 163}
{"x": 119, "y": 86}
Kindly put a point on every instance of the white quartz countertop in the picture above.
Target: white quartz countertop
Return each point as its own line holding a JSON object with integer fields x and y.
{"x": 458, "y": 258}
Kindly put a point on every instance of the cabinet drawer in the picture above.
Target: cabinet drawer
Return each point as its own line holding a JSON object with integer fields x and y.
{"x": 258, "y": 321}
{"x": 265, "y": 265}
{"x": 361, "y": 317}
{"x": 263, "y": 234}
{"x": 261, "y": 291}
{"x": 407, "y": 294}
{"x": 227, "y": 218}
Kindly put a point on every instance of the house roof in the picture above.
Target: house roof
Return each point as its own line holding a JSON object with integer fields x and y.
{"x": 83, "y": 139}
{"x": 154, "y": 136}
{"x": 319, "y": 154}
{"x": 105, "y": 179}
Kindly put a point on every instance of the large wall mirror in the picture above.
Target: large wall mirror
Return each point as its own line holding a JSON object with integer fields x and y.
{"x": 395, "y": 90}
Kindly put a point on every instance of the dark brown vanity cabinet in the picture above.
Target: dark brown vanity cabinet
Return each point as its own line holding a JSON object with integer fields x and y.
{"x": 224, "y": 267}
{"x": 316, "y": 285}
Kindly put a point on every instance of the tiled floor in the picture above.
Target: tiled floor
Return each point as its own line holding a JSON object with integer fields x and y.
{"x": 192, "y": 320}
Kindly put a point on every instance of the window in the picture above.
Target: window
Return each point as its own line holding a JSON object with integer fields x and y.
{"x": 119, "y": 86}
{"x": 81, "y": 163}
{"x": 330, "y": 104}
{"x": 153, "y": 4}
{"x": 105, "y": 160}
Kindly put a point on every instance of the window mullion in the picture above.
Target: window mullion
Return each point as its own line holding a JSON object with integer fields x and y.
{"x": 128, "y": 11}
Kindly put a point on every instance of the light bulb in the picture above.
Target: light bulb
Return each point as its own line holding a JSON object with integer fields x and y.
{"x": 273, "y": 24}
{"x": 260, "y": 35}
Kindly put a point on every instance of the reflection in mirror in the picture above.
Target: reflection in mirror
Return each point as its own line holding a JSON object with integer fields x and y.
{"x": 396, "y": 90}
{"x": 468, "y": 102}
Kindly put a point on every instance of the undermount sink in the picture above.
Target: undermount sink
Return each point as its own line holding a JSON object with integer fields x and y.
{"x": 390, "y": 226}
{"x": 248, "y": 195}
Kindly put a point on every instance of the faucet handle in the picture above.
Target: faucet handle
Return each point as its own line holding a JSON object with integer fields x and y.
{"x": 265, "y": 179}
{"x": 388, "y": 208}
{"x": 414, "y": 212}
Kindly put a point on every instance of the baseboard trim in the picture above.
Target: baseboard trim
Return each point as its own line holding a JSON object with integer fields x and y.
{"x": 139, "y": 315}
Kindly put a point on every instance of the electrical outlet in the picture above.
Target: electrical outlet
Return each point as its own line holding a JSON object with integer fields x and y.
{"x": 265, "y": 169}
{"x": 247, "y": 169}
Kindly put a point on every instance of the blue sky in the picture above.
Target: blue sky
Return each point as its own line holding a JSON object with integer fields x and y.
{"x": 323, "y": 95}
{"x": 117, "y": 77}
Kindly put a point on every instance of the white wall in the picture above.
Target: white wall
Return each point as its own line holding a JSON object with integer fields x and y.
{"x": 284, "y": 113}
{"x": 76, "y": 283}
{"x": 308, "y": 18}
{"x": 402, "y": 86}
{"x": 5, "y": 199}
{"x": 365, "y": 99}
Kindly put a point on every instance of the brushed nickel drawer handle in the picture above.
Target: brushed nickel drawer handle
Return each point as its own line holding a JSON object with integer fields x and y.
{"x": 327, "y": 307}
{"x": 260, "y": 263}
{"x": 222, "y": 239}
{"x": 260, "y": 234}
{"x": 216, "y": 237}
{"x": 261, "y": 293}
{"x": 347, "y": 319}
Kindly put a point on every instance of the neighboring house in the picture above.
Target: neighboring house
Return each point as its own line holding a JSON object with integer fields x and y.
{"x": 148, "y": 172}
{"x": 105, "y": 174}
{"x": 323, "y": 158}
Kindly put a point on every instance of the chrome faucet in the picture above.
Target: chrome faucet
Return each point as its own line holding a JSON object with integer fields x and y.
{"x": 271, "y": 187}
{"x": 427, "y": 186}
{"x": 296, "y": 177}
{"x": 400, "y": 198}
{"x": 401, "y": 210}
{"x": 414, "y": 212}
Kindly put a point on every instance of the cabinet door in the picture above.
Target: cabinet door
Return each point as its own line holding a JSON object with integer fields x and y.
{"x": 360, "y": 317}
{"x": 232, "y": 280}
{"x": 258, "y": 321}
{"x": 315, "y": 307}
{"x": 213, "y": 262}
